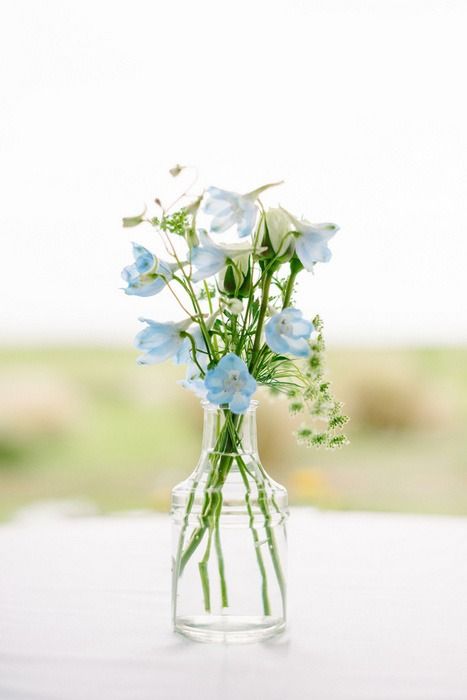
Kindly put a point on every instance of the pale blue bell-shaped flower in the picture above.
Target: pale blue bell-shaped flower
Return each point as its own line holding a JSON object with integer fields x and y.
{"x": 230, "y": 209}
{"x": 193, "y": 381}
{"x": 209, "y": 258}
{"x": 159, "y": 341}
{"x": 147, "y": 275}
{"x": 287, "y": 333}
{"x": 230, "y": 383}
{"x": 311, "y": 241}
{"x": 195, "y": 370}
{"x": 184, "y": 354}
{"x": 233, "y": 209}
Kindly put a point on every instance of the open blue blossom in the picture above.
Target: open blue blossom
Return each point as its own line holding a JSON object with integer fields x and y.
{"x": 311, "y": 241}
{"x": 233, "y": 209}
{"x": 147, "y": 275}
{"x": 229, "y": 209}
{"x": 209, "y": 258}
{"x": 159, "y": 341}
{"x": 230, "y": 383}
{"x": 287, "y": 333}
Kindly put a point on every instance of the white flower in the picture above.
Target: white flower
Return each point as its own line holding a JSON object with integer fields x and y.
{"x": 279, "y": 226}
{"x": 235, "y": 306}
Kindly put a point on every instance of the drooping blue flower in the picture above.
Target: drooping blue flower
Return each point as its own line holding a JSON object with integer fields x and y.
{"x": 230, "y": 383}
{"x": 147, "y": 275}
{"x": 193, "y": 381}
{"x": 233, "y": 209}
{"x": 311, "y": 241}
{"x": 195, "y": 371}
{"x": 209, "y": 258}
{"x": 287, "y": 333}
{"x": 159, "y": 341}
{"x": 184, "y": 354}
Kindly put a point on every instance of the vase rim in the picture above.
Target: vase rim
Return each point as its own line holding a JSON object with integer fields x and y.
{"x": 207, "y": 405}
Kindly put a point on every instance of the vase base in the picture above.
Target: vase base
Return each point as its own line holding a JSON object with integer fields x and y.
{"x": 229, "y": 629}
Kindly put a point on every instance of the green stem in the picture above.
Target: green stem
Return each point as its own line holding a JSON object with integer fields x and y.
{"x": 272, "y": 544}
{"x": 289, "y": 288}
{"x": 220, "y": 565}
{"x": 256, "y": 541}
{"x": 192, "y": 294}
{"x": 257, "y": 352}
{"x": 262, "y": 314}
{"x": 193, "y": 351}
{"x": 210, "y": 516}
{"x": 208, "y": 296}
{"x": 212, "y": 493}
{"x": 203, "y": 570}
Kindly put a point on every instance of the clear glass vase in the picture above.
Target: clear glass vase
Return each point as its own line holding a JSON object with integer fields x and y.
{"x": 229, "y": 525}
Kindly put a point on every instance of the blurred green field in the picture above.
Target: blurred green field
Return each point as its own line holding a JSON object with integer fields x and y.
{"x": 88, "y": 424}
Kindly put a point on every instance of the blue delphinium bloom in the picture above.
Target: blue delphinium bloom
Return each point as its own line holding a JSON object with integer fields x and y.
{"x": 209, "y": 258}
{"x": 193, "y": 380}
{"x": 287, "y": 333}
{"x": 229, "y": 209}
{"x": 311, "y": 241}
{"x": 147, "y": 275}
{"x": 184, "y": 354}
{"x": 194, "y": 370}
{"x": 159, "y": 341}
{"x": 230, "y": 383}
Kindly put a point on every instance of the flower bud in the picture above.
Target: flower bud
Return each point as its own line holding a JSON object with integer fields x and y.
{"x": 278, "y": 228}
{"x": 130, "y": 221}
{"x": 235, "y": 306}
{"x": 176, "y": 170}
{"x": 235, "y": 279}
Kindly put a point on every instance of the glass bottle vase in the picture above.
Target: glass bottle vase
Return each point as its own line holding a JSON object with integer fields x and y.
{"x": 229, "y": 525}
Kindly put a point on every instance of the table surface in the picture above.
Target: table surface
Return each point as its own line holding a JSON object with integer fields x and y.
{"x": 377, "y": 612}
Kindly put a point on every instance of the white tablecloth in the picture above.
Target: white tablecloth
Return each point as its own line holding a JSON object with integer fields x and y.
{"x": 377, "y": 611}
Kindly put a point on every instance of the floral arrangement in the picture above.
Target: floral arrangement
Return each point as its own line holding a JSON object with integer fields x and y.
{"x": 241, "y": 328}
{"x": 234, "y": 277}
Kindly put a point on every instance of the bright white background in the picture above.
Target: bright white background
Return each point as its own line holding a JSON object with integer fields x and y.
{"x": 359, "y": 106}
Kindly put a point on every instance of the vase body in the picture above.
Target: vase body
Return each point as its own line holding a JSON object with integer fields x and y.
{"x": 229, "y": 537}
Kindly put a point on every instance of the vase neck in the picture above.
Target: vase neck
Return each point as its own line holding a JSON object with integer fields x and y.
{"x": 227, "y": 433}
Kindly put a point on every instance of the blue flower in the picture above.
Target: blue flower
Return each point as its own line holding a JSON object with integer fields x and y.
{"x": 233, "y": 209}
{"x": 195, "y": 371}
{"x": 148, "y": 275}
{"x": 229, "y": 209}
{"x": 311, "y": 241}
{"x": 210, "y": 258}
{"x": 159, "y": 341}
{"x": 193, "y": 381}
{"x": 184, "y": 354}
{"x": 230, "y": 383}
{"x": 287, "y": 333}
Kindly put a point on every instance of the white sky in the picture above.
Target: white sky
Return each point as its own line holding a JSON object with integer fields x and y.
{"x": 360, "y": 106}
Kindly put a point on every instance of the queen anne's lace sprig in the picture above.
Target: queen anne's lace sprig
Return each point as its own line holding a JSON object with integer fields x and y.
{"x": 324, "y": 412}
{"x": 240, "y": 328}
